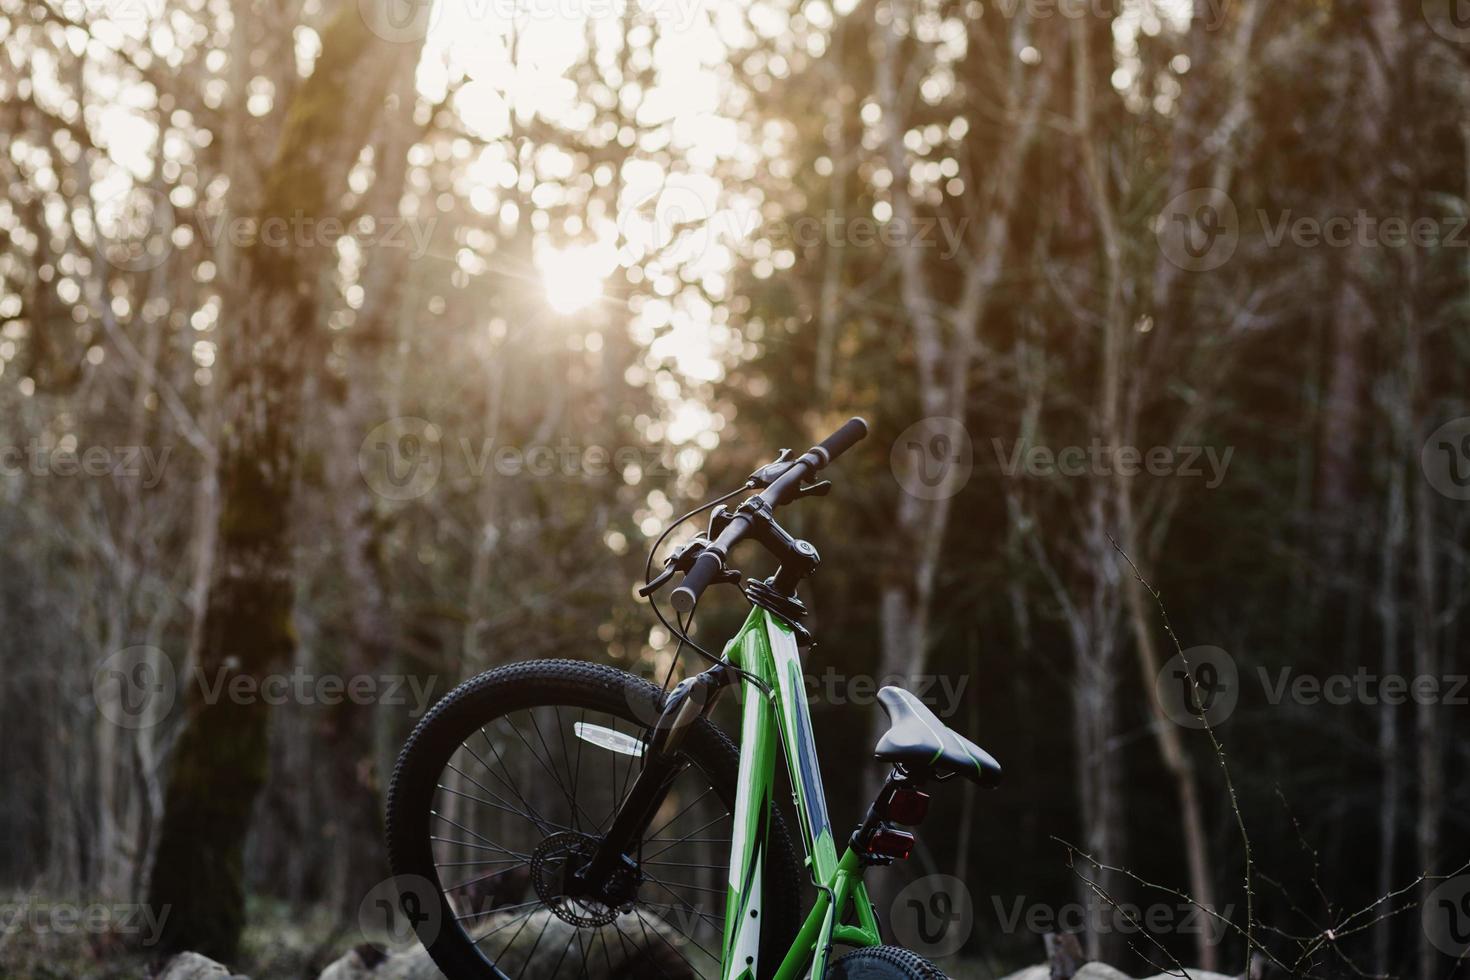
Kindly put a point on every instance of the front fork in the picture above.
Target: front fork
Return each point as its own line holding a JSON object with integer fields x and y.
{"x": 691, "y": 701}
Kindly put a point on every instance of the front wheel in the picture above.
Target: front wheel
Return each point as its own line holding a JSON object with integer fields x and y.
{"x": 501, "y": 794}
{"x": 883, "y": 963}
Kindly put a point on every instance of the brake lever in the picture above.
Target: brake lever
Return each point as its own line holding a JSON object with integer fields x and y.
{"x": 658, "y": 582}
{"x": 815, "y": 490}
{"x": 680, "y": 561}
{"x": 772, "y": 471}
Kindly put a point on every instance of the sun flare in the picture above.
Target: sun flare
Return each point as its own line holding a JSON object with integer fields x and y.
{"x": 573, "y": 277}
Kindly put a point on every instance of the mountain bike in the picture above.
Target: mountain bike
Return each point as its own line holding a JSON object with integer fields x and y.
{"x": 559, "y": 817}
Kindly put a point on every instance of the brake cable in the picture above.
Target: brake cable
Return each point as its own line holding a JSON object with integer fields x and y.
{"x": 680, "y": 631}
{"x": 648, "y": 566}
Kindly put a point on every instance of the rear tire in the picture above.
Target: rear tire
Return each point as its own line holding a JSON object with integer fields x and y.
{"x": 561, "y": 693}
{"x": 883, "y": 963}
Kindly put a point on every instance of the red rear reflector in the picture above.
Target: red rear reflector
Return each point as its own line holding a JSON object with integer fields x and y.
{"x": 890, "y": 843}
{"x": 905, "y": 806}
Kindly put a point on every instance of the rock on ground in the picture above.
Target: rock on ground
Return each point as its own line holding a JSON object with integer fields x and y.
{"x": 611, "y": 953}
{"x": 192, "y": 966}
{"x": 549, "y": 945}
{"x": 364, "y": 962}
{"x": 1099, "y": 971}
{"x": 558, "y": 946}
{"x": 370, "y": 963}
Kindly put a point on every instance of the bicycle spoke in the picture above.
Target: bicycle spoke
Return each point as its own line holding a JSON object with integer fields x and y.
{"x": 622, "y": 945}
{"x": 698, "y": 888}
{"x": 634, "y": 764}
{"x": 560, "y": 960}
{"x": 692, "y": 802}
{"x": 696, "y": 942}
{"x": 565, "y": 756}
{"x": 477, "y": 799}
{"x": 539, "y": 820}
{"x": 683, "y": 839}
{"x": 571, "y": 794}
{"x": 581, "y": 949}
{"x": 619, "y": 928}
{"x": 517, "y": 935}
{"x": 505, "y": 925}
{"x": 542, "y": 935}
{"x": 490, "y": 843}
{"x": 472, "y": 881}
{"x": 549, "y": 771}
{"x": 685, "y": 904}
{"x": 523, "y": 858}
{"x": 606, "y": 953}
{"x": 507, "y": 908}
{"x": 714, "y": 920}
{"x": 666, "y": 942}
{"x": 628, "y": 776}
{"x": 577, "y": 769}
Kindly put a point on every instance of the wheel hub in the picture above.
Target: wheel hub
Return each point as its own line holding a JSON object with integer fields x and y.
{"x": 554, "y": 874}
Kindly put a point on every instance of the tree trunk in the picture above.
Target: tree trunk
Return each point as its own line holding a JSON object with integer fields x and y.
{"x": 1096, "y": 683}
{"x": 349, "y": 727}
{"x": 1429, "y": 763}
{"x": 1369, "y": 69}
{"x": 219, "y": 764}
{"x": 1388, "y": 737}
{"x": 1180, "y": 767}
{"x": 942, "y": 362}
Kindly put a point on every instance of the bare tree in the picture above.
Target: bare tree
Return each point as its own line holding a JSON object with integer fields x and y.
{"x": 945, "y": 338}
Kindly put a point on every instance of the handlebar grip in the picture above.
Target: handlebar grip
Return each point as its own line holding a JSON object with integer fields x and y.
{"x": 853, "y": 431}
{"x": 706, "y": 568}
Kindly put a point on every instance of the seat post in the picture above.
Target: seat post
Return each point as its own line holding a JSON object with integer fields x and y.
{"x": 877, "y": 840}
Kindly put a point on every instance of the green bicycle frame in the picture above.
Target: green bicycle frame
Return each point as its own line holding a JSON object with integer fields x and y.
{"x": 766, "y": 648}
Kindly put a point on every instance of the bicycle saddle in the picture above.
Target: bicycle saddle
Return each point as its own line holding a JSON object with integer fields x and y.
{"x": 918, "y": 740}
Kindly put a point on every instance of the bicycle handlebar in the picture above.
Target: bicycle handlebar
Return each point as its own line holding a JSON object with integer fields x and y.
{"x": 852, "y": 432}
{"x": 710, "y": 564}
{"x": 706, "y": 568}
